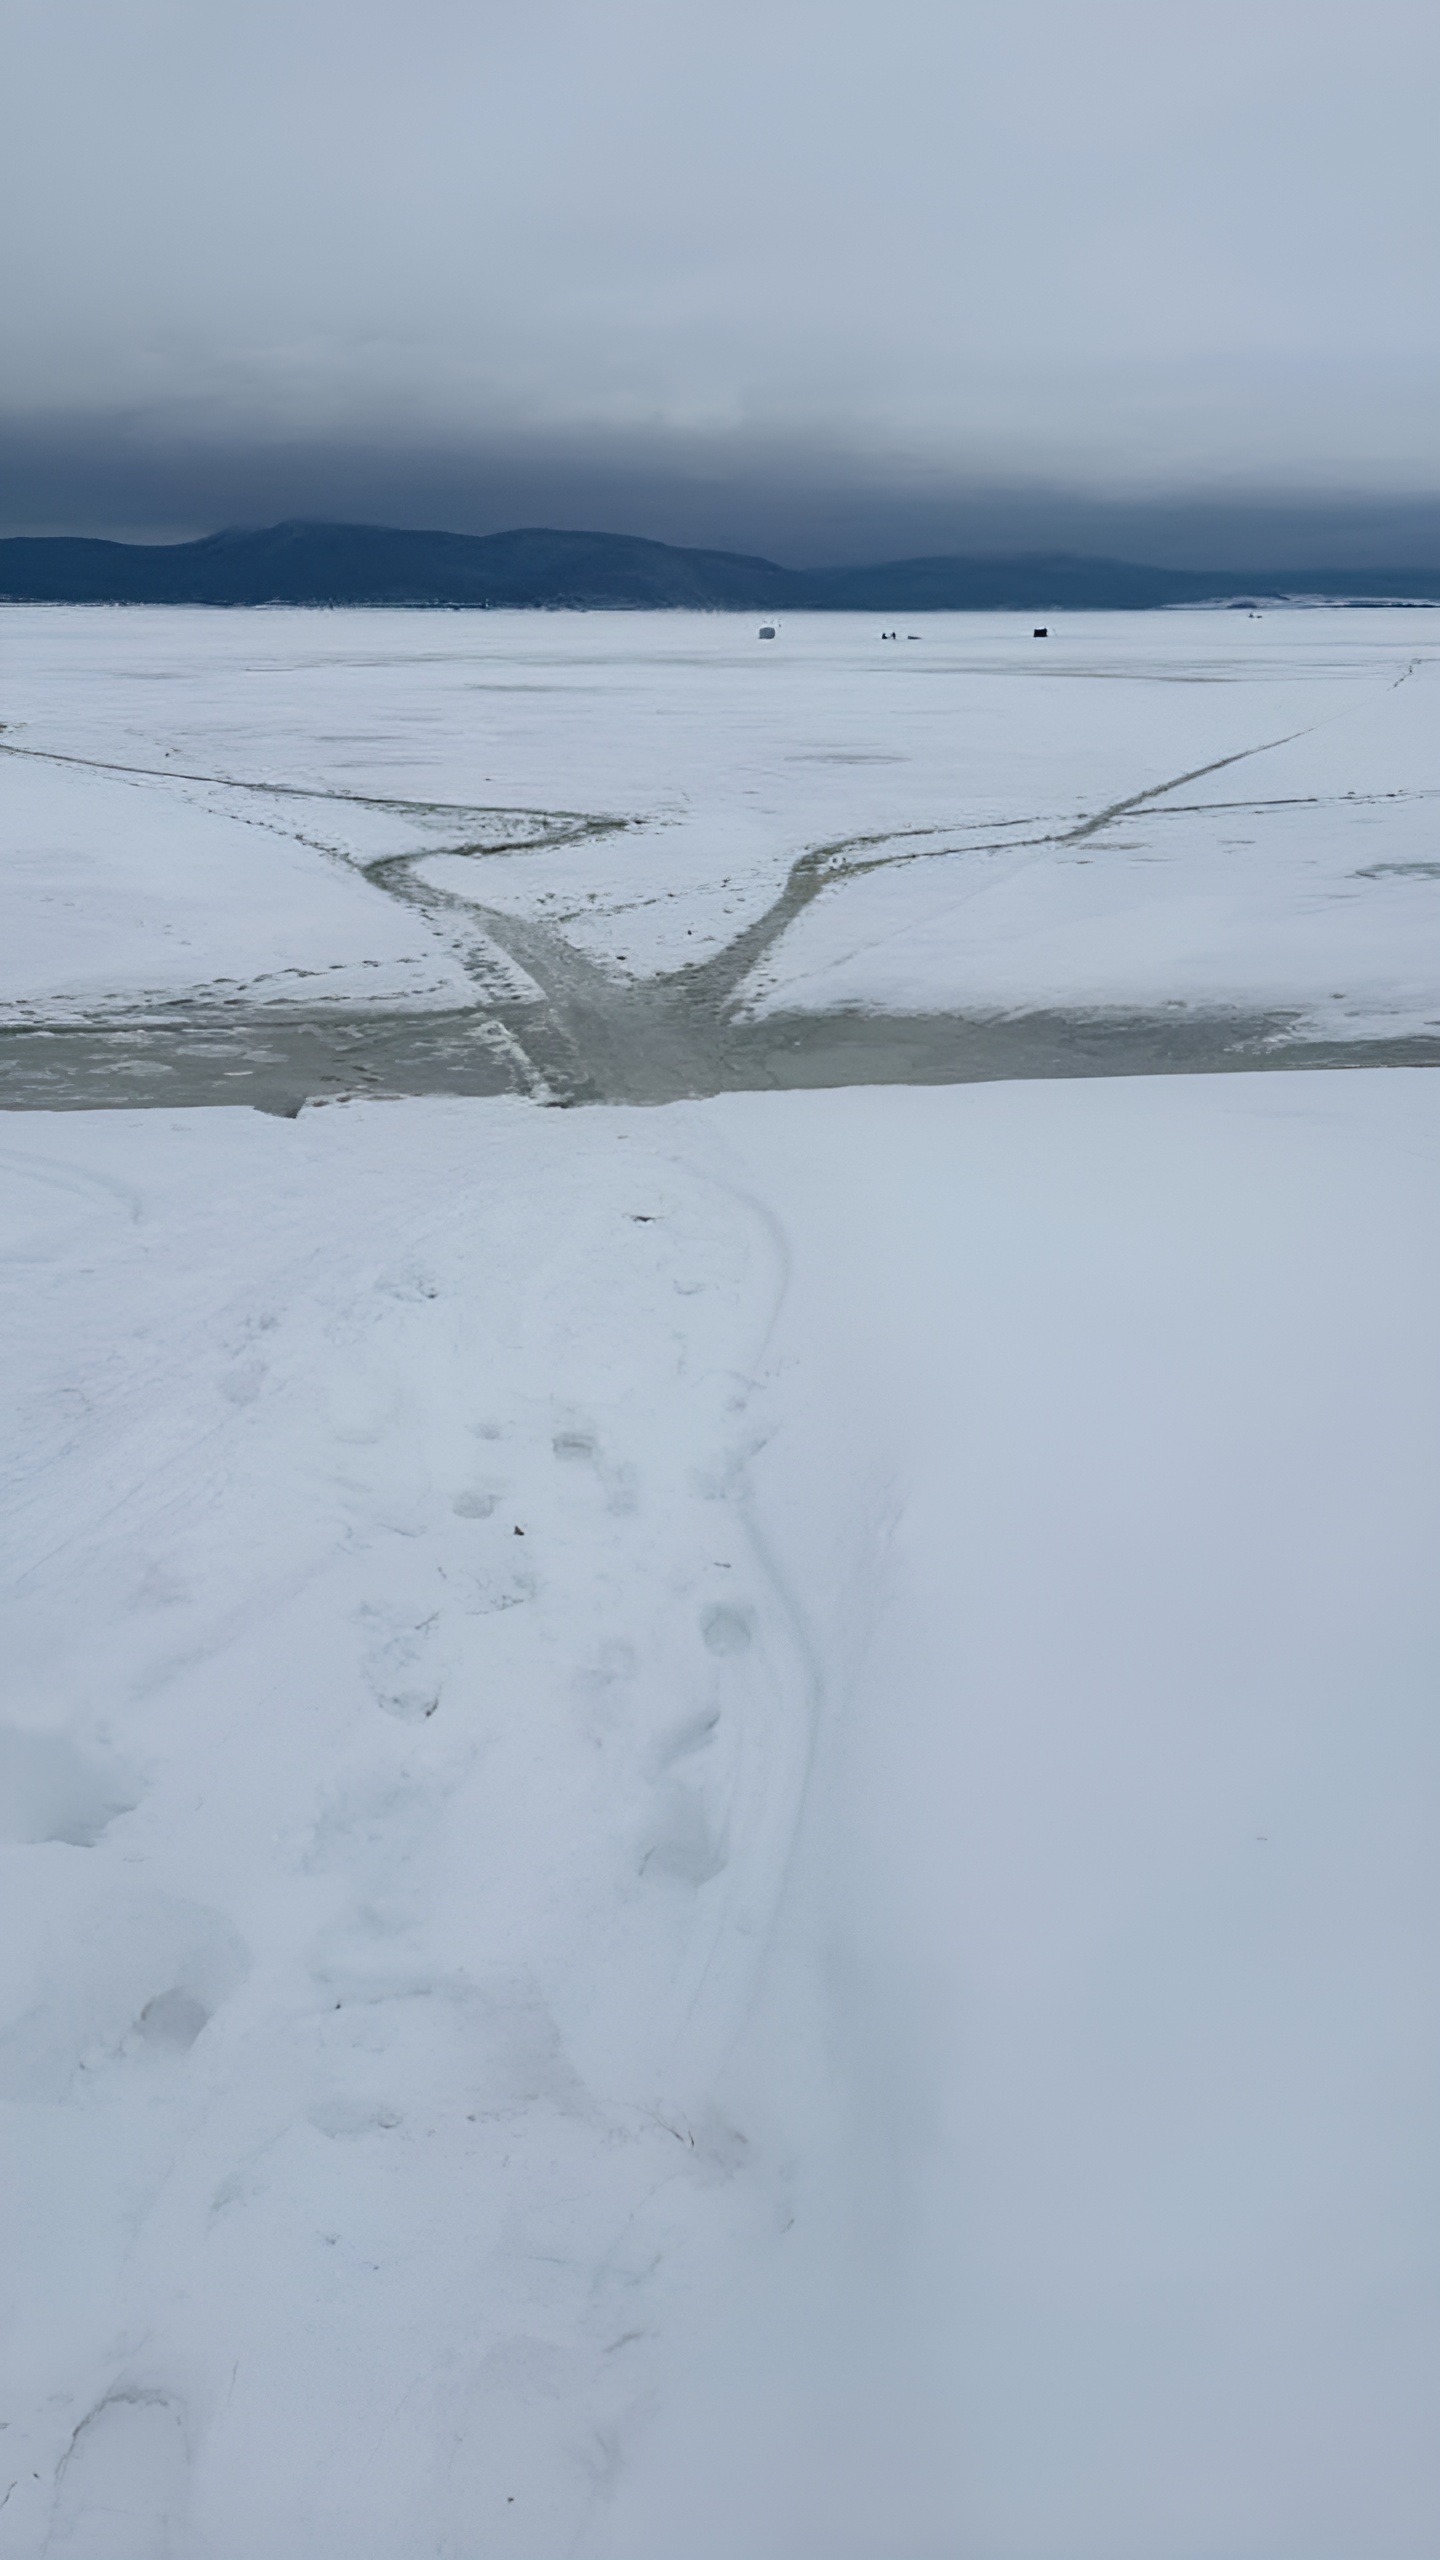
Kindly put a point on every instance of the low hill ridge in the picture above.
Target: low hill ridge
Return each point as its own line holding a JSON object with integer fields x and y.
{"x": 304, "y": 562}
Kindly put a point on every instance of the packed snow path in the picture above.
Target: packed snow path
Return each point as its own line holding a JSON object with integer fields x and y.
{"x": 449, "y": 1814}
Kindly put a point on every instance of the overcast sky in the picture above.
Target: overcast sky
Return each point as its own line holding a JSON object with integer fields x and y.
{"x": 827, "y": 277}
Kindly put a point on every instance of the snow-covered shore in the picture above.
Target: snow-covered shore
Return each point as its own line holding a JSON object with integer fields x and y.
{"x": 719, "y": 1828}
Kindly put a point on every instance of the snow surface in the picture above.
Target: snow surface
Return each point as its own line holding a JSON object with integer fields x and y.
{"x": 1273, "y": 787}
{"x": 126, "y": 886}
{"x": 718, "y": 1823}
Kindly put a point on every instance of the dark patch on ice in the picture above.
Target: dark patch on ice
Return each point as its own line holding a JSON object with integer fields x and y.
{"x": 664, "y": 1052}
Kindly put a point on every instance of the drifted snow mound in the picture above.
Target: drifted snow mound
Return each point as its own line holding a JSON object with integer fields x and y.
{"x": 717, "y": 1828}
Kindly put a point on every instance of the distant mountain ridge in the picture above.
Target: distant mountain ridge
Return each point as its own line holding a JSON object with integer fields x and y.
{"x": 354, "y": 564}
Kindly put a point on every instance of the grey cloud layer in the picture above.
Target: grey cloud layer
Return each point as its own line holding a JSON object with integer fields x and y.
{"x": 1115, "y": 243}
{"x": 135, "y": 480}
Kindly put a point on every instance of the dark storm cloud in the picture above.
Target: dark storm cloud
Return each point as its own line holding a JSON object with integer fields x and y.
{"x": 822, "y": 277}
{"x": 114, "y": 476}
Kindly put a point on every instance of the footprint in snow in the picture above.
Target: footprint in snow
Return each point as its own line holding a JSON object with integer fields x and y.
{"x": 581, "y": 1448}
{"x": 135, "y": 1985}
{"x": 51, "y": 1791}
{"x": 405, "y": 1668}
{"x": 685, "y": 1842}
{"x": 576, "y": 1448}
{"x": 120, "y": 2492}
{"x": 727, "y": 1629}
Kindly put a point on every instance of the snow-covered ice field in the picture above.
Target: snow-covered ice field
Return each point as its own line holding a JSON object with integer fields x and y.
{"x": 717, "y": 1823}
{"x": 644, "y": 855}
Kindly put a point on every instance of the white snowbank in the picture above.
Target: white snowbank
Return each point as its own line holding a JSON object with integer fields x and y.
{"x": 866, "y": 1986}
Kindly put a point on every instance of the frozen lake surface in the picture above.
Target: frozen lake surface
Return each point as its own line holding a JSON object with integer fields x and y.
{"x": 635, "y": 857}
{"x": 717, "y": 1822}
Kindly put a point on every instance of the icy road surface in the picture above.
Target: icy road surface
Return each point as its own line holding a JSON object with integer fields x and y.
{"x": 265, "y": 856}
{"x": 718, "y": 1824}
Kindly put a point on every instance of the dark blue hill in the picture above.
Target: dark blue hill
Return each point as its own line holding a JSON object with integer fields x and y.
{"x": 352, "y": 564}
{"x": 377, "y": 564}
